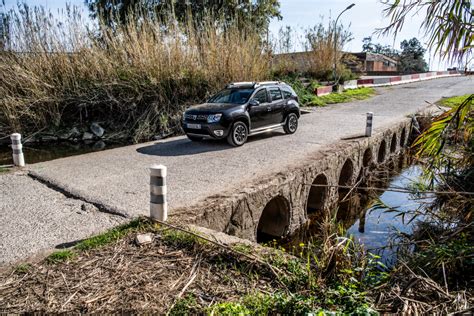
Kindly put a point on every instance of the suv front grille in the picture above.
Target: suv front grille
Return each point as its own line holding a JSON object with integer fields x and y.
{"x": 195, "y": 117}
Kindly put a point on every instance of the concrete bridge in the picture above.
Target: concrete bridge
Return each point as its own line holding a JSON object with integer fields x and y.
{"x": 260, "y": 189}
{"x": 279, "y": 204}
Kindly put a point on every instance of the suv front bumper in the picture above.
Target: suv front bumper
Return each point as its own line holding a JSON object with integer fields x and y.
{"x": 212, "y": 130}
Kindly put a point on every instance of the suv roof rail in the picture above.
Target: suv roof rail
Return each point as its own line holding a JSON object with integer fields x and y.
{"x": 252, "y": 84}
{"x": 268, "y": 82}
{"x": 241, "y": 84}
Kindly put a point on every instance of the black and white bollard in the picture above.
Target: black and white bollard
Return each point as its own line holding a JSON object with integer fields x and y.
{"x": 368, "y": 126}
{"x": 18, "y": 158}
{"x": 158, "y": 204}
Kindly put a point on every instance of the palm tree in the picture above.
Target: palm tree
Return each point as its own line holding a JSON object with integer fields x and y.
{"x": 448, "y": 24}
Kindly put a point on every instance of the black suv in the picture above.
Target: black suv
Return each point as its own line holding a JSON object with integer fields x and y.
{"x": 243, "y": 109}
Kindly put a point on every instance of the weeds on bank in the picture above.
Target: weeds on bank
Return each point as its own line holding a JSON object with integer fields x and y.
{"x": 345, "y": 96}
{"x": 328, "y": 275}
{"x": 61, "y": 256}
{"x": 110, "y": 236}
{"x": 181, "y": 239}
{"x": 97, "y": 241}
{"x": 22, "y": 268}
{"x": 243, "y": 248}
{"x": 454, "y": 101}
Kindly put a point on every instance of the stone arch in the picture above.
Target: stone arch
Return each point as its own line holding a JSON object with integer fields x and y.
{"x": 275, "y": 220}
{"x": 393, "y": 143}
{"x": 403, "y": 137}
{"x": 317, "y": 196}
{"x": 367, "y": 157}
{"x": 382, "y": 152}
{"x": 345, "y": 179}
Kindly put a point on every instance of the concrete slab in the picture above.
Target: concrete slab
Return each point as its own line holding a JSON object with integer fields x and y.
{"x": 34, "y": 218}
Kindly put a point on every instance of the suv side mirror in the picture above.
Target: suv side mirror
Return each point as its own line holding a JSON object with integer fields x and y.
{"x": 254, "y": 102}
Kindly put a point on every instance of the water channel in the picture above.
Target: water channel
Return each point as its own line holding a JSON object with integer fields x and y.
{"x": 39, "y": 152}
{"x": 373, "y": 219}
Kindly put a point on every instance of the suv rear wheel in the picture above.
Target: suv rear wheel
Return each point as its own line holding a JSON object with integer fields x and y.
{"x": 238, "y": 134}
{"x": 291, "y": 124}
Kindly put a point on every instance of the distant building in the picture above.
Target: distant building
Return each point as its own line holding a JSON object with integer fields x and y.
{"x": 371, "y": 63}
{"x": 360, "y": 63}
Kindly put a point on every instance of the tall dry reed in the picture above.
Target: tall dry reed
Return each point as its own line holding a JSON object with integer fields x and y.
{"x": 135, "y": 78}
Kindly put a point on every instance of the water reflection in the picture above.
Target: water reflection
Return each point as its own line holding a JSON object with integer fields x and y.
{"x": 367, "y": 221}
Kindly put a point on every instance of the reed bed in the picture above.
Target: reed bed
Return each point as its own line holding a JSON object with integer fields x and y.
{"x": 135, "y": 78}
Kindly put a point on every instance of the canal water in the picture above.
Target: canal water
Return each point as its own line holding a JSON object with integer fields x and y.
{"x": 39, "y": 152}
{"x": 375, "y": 220}
{"x": 376, "y": 225}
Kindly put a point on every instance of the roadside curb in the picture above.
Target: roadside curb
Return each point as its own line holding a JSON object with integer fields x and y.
{"x": 396, "y": 80}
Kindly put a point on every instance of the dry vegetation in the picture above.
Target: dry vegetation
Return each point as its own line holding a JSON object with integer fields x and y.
{"x": 125, "y": 277}
{"x": 135, "y": 79}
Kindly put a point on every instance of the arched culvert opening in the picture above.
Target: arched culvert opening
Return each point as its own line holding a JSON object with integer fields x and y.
{"x": 393, "y": 143}
{"x": 345, "y": 179}
{"x": 381, "y": 153}
{"x": 403, "y": 137}
{"x": 317, "y": 196}
{"x": 367, "y": 158}
{"x": 274, "y": 221}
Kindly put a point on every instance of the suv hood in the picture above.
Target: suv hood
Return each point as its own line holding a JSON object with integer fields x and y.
{"x": 213, "y": 107}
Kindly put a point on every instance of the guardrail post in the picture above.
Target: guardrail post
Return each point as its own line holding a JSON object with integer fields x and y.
{"x": 158, "y": 204}
{"x": 18, "y": 158}
{"x": 368, "y": 126}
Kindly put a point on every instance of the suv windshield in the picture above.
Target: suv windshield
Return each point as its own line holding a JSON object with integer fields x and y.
{"x": 238, "y": 96}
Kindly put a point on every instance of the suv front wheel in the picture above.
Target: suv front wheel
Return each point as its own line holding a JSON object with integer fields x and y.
{"x": 291, "y": 124}
{"x": 238, "y": 134}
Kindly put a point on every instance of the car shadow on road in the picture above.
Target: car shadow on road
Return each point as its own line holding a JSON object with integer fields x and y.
{"x": 185, "y": 147}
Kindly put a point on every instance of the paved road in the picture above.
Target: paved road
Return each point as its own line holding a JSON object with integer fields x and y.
{"x": 33, "y": 218}
{"x": 118, "y": 178}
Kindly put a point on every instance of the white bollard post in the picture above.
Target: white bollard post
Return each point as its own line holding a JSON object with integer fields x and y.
{"x": 158, "y": 204}
{"x": 18, "y": 158}
{"x": 368, "y": 127}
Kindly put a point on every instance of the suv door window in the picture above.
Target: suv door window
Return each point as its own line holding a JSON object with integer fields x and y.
{"x": 286, "y": 94}
{"x": 275, "y": 93}
{"x": 261, "y": 96}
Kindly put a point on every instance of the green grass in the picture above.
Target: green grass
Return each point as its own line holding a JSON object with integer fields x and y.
{"x": 453, "y": 101}
{"x": 185, "y": 306}
{"x": 109, "y": 236}
{"x": 181, "y": 239}
{"x": 3, "y": 170}
{"x": 22, "y": 268}
{"x": 346, "y": 96}
{"x": 61, "y": 256}
{"x": 243, "y": 248}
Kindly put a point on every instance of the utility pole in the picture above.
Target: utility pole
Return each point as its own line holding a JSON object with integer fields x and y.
{"x": 335, "y": 40}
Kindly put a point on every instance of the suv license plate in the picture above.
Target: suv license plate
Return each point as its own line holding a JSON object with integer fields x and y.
{"x": 194, "y": 126}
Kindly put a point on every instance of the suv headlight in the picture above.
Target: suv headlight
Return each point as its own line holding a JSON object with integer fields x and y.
{"x": 213, "y": 118}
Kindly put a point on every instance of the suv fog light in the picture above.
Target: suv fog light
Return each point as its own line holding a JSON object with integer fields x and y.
{"x": 219, "y": 132}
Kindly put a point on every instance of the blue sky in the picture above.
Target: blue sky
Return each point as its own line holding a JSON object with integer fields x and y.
{"x": 364, "y": 18}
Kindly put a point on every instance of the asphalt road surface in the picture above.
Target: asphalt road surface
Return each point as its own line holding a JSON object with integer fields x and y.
{"x": 118, "y": 179}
